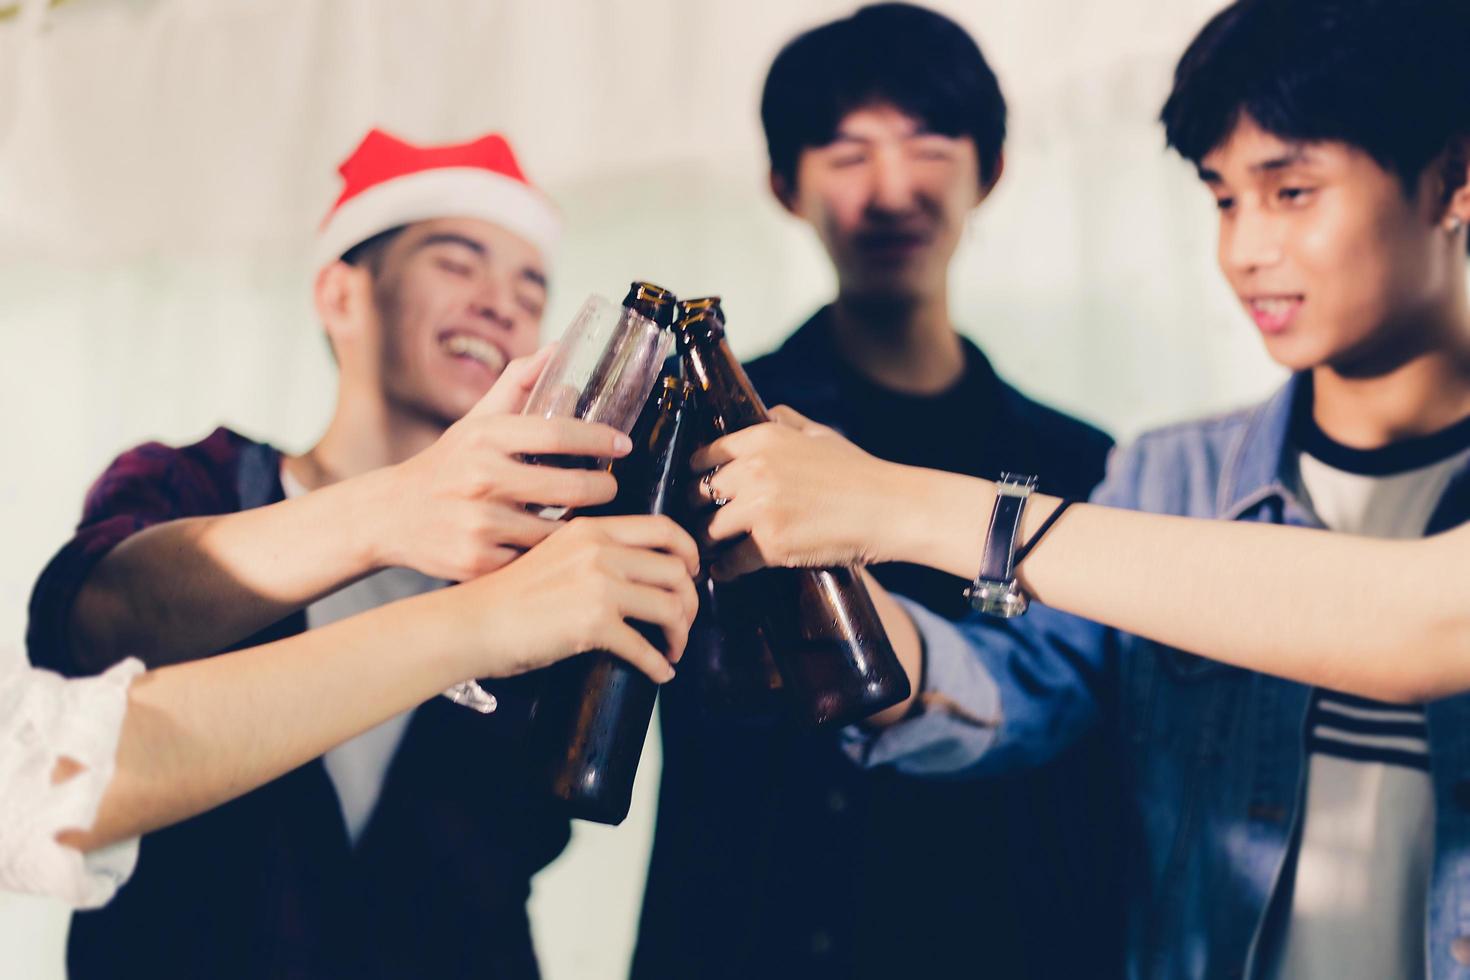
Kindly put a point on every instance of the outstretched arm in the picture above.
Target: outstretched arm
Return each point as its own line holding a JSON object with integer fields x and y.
{"x": 1383, "y": 619}
{"x": 198, "y": 734}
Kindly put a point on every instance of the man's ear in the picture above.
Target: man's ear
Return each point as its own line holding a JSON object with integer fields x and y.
{"x": 342, "y": 294}
{"x": 989, "y": 185}
{"x": 1457, "y": 185}
{"x": 784, "y": 192}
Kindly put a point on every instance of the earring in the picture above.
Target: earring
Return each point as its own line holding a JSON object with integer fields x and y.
{"x": 1455, "y": 225}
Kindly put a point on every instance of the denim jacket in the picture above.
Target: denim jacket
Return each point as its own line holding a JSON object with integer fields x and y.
{"x": 1213, "y": 755}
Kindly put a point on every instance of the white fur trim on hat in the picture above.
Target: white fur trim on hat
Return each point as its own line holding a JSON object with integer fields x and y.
{"x": 445, "y": 192}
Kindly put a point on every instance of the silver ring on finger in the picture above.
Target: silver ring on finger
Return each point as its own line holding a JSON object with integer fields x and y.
{"x": 709, "y": 490}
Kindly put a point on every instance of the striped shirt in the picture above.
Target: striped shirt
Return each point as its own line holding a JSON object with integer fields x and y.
{"x": 1362, "y": 730}
{"x": 1366, "y": 840}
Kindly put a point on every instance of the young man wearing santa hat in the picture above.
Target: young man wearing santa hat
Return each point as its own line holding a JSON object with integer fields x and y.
{"x": 409, "y": 850}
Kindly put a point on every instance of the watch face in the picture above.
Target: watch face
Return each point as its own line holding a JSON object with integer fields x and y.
{"x": 1016, "y": 484}
{"x": 1000, "y": 599}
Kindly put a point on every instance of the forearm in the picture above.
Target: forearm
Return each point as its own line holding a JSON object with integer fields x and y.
{"x": 1378, "y": 618}
{"x": 191, "y": 587}
{"x": 1370, "y": 617}
{"x": 198, "y": 734}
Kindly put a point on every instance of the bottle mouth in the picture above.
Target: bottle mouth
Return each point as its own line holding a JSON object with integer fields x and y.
{"x": 689, "y": 307}
{"x": 699, "y": 325}
{"x": 652, "y": 301}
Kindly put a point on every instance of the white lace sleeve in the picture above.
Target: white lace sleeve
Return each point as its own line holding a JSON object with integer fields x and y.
{"x": 44, "y": 717}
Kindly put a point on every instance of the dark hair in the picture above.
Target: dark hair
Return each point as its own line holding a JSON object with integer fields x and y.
{"x": 921, "y": 62}
{"x": 1385, "y": 76}
{"x": 368, "y": 251}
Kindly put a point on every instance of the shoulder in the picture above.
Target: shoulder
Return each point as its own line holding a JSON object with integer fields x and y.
{"x": 197, "y": 478}
{"x": 800, "y": 371}
{"x": 784, "y": 365}
{"x": 1055, "y": 424}
{"x": 1070, "y": 454}
{"x": 1176, "y": 469}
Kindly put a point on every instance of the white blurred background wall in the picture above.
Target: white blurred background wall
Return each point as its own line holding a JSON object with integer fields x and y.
{"x": 163, "y": 164}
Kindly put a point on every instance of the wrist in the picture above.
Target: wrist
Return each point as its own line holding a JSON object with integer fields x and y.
{"x": 450, "y": 642}
{"x": 943, "y": 523}
{"x": 366, "y": 511}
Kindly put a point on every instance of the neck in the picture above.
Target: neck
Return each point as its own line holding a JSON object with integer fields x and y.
{"x": 1416, "y": 395}
{"x": 364, "y": 434}
{"x": 908, "y": 346}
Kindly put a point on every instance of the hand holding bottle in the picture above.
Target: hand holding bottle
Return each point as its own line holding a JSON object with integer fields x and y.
{"x": 797, "y": 494}
{"x": 575, "y": 591}
{"x": 458, "y": 509}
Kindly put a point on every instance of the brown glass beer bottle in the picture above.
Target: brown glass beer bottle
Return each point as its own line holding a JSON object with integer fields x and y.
{"x": 835, "y": 661}
{"x": 595, "y": 713}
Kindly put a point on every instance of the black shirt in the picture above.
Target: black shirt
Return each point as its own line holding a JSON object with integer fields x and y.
{"x": 774, "y": 856}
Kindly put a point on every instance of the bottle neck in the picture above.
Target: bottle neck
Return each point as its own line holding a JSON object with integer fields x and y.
{"x": 729, "y": 399}
{"x": 647, "y": 475}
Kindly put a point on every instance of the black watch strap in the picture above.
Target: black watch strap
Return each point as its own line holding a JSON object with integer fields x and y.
{"x": 995, "y": 590}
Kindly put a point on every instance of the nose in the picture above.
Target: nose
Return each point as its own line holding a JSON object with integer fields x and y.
{"x": 893, "y": 189}
{"x": 488, "y": 302}
{"x": 1251, "y": 240}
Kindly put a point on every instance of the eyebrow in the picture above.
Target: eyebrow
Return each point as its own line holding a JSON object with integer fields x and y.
{"x": 531, "y": 275}
{"x": 450, "y": 238}
{"x": 843, "y": 136}
{"x": 1288, "y": 159}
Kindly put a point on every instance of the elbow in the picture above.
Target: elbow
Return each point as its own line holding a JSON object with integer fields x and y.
{"x": 1436, "y": 663}
{"x": 93, "y": 638}
{"x": 85, "y": 841}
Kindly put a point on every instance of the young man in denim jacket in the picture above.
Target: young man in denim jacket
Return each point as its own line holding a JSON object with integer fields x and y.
{"x": 1276, "y": 829}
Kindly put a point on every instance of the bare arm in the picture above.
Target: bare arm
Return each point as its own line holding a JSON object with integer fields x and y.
{"x": 1383, "y": 619}
{"x": 187, "y": 588}
{"x": 198, "y": 734}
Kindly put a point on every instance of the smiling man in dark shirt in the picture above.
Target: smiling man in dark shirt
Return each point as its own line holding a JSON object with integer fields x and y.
{"x": 774, "y": 856}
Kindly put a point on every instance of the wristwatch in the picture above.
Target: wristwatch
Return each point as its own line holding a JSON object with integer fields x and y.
{"x": 995, "y": 591}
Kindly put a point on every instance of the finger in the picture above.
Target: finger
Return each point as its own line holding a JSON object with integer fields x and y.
{"x": 791, "y": 418}
{"x": 527, "y": 483}
{"x": 656, "y": 568}
{"x": 660, "y": 609}
{"x": 534, "y": 436}
{"x": 624, "y": 641}
{"x": 729, "y": 522}
{"x": 728, "y": 448}
{"x": 492, "y": 561}
{"x": 659, "y": 533}
{"x": 740, "y": 558}
{"x": 507, "y": 396}
{"x": 515, "y": 527}
{"x": 702, "y": 493}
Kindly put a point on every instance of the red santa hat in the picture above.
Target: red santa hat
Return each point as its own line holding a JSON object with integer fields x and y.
{"x": 387, "y": 183}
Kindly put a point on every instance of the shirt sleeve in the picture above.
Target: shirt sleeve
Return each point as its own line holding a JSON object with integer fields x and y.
{"x": 998, "y": 695}
{"x": 44, "y": 718}
{"x": 1005, "y": 694}
{"x": 148, "y": 485}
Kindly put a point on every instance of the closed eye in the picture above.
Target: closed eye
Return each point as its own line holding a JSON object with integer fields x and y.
{"x": 1294, "y": 195}
{"x": 531, "y": 304}
{"x": 454, "y": 268}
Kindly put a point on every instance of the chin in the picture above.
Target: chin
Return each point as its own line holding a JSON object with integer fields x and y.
{"x": 1298, "y": 354}
{"x": 887, "y": 289}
